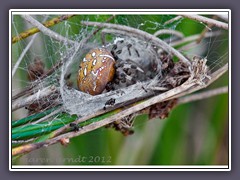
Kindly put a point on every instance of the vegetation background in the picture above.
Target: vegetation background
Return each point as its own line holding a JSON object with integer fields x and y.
{"x": 195, "y": 133}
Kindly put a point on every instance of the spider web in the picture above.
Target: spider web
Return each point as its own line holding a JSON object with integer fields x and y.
{"x": 51, "y": 51}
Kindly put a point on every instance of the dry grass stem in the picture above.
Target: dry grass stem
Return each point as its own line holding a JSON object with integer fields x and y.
{"x": 206, "y": 20}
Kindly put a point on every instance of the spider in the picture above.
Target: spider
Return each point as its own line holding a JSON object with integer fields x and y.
{"x": 110, "y": 102}
{"x": 116, "y": 65}
{"x": 75, "y": 127}
{"x": 120, "y": 63}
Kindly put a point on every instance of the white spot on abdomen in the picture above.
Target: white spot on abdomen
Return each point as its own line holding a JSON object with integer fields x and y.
{"x": 94, "y": 73}
{"x": 85, "y": 71}
{"x": 106, "y": 55}
{"x": 94, "y": 62}
{"x": 93, "y": 54}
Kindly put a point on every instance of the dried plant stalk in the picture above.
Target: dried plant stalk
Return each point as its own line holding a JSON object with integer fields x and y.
{"x": 34, "y": 30}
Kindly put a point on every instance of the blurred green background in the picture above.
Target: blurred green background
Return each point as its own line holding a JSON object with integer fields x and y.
{"x": 195, "y": 133}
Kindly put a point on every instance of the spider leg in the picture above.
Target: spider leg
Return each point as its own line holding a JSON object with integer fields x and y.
{"x": 114, "y": 47}
{"x": 119, "y": 52}
{"x": 114, "y": 55}
{"x": 137, "y": 53}
{"x": 128, "y": 47}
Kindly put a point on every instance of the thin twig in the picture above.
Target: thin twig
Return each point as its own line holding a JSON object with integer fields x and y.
{"x": 22, "y": 141}
{"x": 206, "y": 29}
{"x": 206, "y": 20}
{"x": 82, "y": 119}
{"x": 47, "y": 31}
{"x": 142, "y": 35}
{"x": 218, "y": 73}
{"x": 115, "y": 32}
{"x": 34, "y": 30}
{"x": 27, "y": 148}
{"x": 22, "y": 55}
{"x": 172, "y": 20}
{"x": 224, "y": 17}
{"x": 203, "y": 95}
{"x": 30, "y": 99}
{"x": 169, "y": 31}
{"x": 187, "y": 46}
{"x": 98, "y": 29}
{"x": 195, "y": 37}
{"x": 159, "y": 88}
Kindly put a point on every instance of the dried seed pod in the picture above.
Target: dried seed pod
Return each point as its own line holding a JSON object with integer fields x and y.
{"x": 161, "y": 110}
{"x": 75, "y": 127}
{"x": 96, "y": 70}
{"x": 36, "y": 69}
{"x": 124, "y": 125}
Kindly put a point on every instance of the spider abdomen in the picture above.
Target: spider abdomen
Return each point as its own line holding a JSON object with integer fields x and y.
{"x": 96, "y": 70}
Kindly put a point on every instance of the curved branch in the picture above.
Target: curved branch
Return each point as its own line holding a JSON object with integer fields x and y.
{"x": 169, "y": 31}
{"x": 23, "y": 54}
{"x": 203, "y": 95}
{"x": 141, "y": 34}
{"x": 206, "y": 20}
{"x": 195, "y": 37}
{"x": 172, "y": 20}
